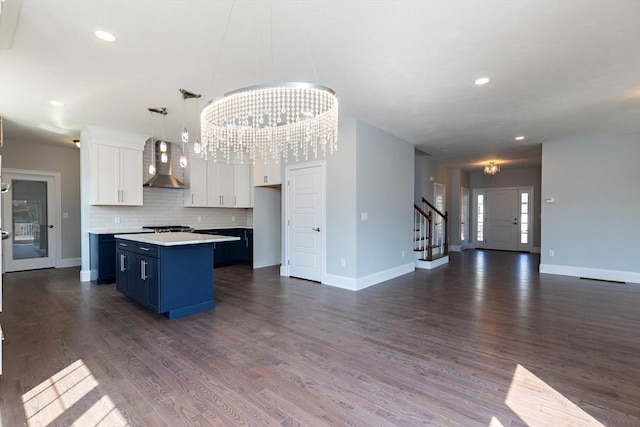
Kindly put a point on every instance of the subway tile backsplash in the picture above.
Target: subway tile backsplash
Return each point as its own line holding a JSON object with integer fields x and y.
{"x": 164, "y": 206}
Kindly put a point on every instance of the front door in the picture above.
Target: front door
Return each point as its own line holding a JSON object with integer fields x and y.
{"x": 304, "y": 222}
{"x": 28, "y": 207}
{"x": 502, "y": 219}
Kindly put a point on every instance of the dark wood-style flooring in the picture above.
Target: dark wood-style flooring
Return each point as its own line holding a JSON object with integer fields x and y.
{"x": 484, "y": 341}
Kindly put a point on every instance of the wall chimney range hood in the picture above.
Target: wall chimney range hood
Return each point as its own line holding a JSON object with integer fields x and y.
{"x": 164, "y": 176}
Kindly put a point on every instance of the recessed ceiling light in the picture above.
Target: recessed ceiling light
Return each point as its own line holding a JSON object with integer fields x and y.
{"x": 56, "y": 103}
{"x": 519, "y": 138}
{"x": 104, "y": 35}
{"x": 482, "y": 81}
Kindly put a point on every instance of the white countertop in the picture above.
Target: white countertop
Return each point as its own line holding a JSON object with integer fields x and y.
{"x": 118, "y": 231}
{"x": 175, "y": 239}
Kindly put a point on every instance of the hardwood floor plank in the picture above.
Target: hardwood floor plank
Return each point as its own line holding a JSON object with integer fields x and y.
{"x": 436, "y": 348}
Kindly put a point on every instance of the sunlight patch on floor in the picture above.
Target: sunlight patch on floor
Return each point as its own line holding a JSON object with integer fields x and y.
{"x": 538, "y": 404}
{"x": 50, "y": 399}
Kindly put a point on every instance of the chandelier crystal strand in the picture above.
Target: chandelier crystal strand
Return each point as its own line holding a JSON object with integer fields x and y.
{"x": 271, "y": 121}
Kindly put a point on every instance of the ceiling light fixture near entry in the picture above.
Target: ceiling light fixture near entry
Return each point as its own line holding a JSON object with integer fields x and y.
{"x": 492, "y": 168}
{"x": 519, "y": 138}
{"x": 482, "y": 81}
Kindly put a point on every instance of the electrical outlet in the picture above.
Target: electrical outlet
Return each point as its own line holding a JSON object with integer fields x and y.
{"x": 233, "y": 218}
{"x": 402, "y": 254}
{"x": 343, "y": 262}
{"x": 199, "y": 219}
{"x": 552, "y": 252}
{"x": 364, "y": 216}
{"x": 117, "y": 220}
{"x": 65, "y": 215}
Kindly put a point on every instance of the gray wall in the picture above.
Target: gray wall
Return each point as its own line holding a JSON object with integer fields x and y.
{"x": 384, "y": 181}
{"x": 594, "y": 224}
{"x": 341, "y": 203}
{"x": 53, "y": 158}
{"x": 266, "y": 226}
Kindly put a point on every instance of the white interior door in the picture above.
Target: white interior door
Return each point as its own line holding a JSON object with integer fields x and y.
{"x": 502, "y": 219}
{"x": 29, "y": 215}
{"x": 304, "y": 223}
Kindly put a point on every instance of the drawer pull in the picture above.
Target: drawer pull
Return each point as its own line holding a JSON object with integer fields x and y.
{"x": 144, "y": 249}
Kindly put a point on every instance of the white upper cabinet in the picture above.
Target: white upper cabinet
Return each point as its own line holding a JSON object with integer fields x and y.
{"x": 196, "y": 194}
{"x": 219, "y": 185}
{"x": 116, "y": 176}
{"x": 115, "y": 166}
{"x": 242, "y": 186}
{"x": 267, "y": 174}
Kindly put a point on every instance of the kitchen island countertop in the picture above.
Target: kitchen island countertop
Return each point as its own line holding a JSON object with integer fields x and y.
{"x": 176, "y": 239}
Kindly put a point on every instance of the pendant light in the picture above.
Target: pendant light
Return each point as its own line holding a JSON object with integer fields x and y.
{"x": 152, "y": 165}
{"x": 185, "y": 132}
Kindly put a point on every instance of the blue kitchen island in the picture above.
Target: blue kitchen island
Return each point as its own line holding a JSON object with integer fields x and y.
{"x": 168, "y": 273}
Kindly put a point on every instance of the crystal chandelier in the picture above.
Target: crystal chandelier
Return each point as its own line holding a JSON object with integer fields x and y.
{"x": 491, "y": 169}
{"x": 272, "y": 120}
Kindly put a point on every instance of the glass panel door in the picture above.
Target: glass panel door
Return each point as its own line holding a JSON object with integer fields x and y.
{"x": 29, "y": 207}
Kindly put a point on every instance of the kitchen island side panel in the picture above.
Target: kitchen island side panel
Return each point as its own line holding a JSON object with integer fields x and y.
{"x": 186, "y": 279}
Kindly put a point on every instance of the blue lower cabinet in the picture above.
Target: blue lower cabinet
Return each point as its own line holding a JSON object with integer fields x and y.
{"x": 174, "y": 281}
{"x": 231, "y": 253}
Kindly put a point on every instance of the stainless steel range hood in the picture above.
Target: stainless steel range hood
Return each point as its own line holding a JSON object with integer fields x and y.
{"x": 164, "y": 172}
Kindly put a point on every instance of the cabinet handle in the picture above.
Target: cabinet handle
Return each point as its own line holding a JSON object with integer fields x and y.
{"x": 124, "y": 244}
{"x": 144, "y": 249}
{"x": 266, "y": 179}
{"x": 235, "y": 200}
{"x": 221, "y": 200}
{"x": 191, "y": 198}
{"x": 143, "y": 270}
{"x": 122, "y": 257}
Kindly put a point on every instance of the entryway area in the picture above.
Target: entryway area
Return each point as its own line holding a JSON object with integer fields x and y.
{"x": 503, "y": 218}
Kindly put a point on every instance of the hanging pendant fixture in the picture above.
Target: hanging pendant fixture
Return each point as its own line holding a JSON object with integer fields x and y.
{"x": 152, "y": 165}
{"x": 185, "y": 132}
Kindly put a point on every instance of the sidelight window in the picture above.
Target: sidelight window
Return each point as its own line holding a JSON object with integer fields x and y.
{"x": 524, "y": 218}
{"x": 480, "y": 218}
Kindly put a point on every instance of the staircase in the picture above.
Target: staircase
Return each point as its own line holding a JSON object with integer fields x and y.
{"x": 431, "y": 237}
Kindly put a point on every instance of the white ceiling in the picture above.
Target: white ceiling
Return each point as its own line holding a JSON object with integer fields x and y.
{"x": 558, "y": 69}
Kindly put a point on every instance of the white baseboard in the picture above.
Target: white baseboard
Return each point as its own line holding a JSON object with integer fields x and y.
{"x": 85, "y": 275}
{"x": 591, "y": 273}
{"x": 430, "y": 265}
{"x": 68, "y": 262}
{"x": 356, "y": 284}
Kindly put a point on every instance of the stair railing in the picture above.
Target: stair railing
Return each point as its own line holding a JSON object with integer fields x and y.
{"x": 423, "y": 232}
{"x": 426, "y": 220}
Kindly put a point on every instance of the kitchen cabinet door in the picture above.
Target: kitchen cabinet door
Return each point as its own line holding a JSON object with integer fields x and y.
{"x": 149, "y": 284}
{"x": 116, "y": 176}
{"x": 220, "y": 191}
{"x": 242, "y": 186}
{"x": 130, "y": 177}
{"x": 196, "y": 195}
{"x": 267, "y": 174}
{"x": 124, "y": 271}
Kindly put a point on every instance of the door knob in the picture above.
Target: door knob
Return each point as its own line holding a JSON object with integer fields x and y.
{"x": 51, "y": 226}
{"x": 316, "y": 229}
